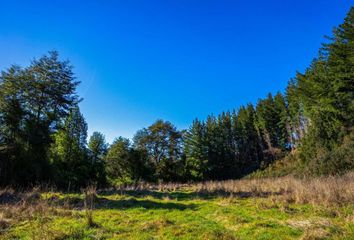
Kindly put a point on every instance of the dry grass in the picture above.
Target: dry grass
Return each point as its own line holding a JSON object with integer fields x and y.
{"x": 30, "y": 206}
{"x": 326, "y": 191}
{"x": 90, "y": 196}
{"x": 4, "y": 223}
{"x": 18, "y": 207}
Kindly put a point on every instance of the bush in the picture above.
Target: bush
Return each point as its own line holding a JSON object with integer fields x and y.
{"x": 338, "y": 161}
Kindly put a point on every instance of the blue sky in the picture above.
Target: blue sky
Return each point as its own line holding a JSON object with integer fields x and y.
{"x": 139, "y": 61}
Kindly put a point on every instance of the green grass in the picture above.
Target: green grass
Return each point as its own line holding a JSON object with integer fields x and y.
{"x": 181, "y": 215}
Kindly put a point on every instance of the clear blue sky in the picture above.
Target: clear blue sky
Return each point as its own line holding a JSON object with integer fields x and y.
{"x": 176, "y": 60}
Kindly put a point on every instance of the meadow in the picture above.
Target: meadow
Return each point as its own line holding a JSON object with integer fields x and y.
{"x": 271, "y": 208}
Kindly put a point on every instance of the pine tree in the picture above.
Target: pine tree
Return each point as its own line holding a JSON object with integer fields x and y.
{"x": 283, "y": 123}
{"x": 212, "y": 150}
{"x": 225, "y": 145}
{"x": 298, "y": 122}
{"x": 196, "y": 151}
{"x": 98, "y": 146}
{"x": 249, "y": 145}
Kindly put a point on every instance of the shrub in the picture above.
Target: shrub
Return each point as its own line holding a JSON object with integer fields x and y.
{"x": 338, "y": 161}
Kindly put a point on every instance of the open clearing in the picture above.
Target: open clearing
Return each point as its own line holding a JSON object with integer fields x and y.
{"x": 178, "y": 213}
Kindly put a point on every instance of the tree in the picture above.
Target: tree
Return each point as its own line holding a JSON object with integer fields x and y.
{"x": 97, "y": 151}
{"x": 69, "y": 153}
{"x": 225, "y": 147}
{"x": 340, "y": 60}
{"x": 283, "y": 124}
{"x": 11, "y": 109}
{"x": 11, "y": 127}
{"x": 125, "y": 164}
{"x": 49, "y": 92}
{"x": 34, "y": 101}
{"x": 211, "y": 131}
{"x": 297, "y": 120}
{"x": 247, "y": 141}
{"x": 195, "y": 149}
{"x": 118, "y": 160}
{"x": 43, "y": 134}
{"x": 272, "y": 122}
{"x": 327, "y": 92}
{"x": 162, "y": 143}
{"x": 98, "y": 146}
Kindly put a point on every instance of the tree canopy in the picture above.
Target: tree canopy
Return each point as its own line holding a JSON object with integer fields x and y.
{"x": 43, "y": 134}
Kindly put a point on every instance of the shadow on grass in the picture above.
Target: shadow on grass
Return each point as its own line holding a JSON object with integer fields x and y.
{"x": 106, "y": 203}
{"x": 179, "y": 195}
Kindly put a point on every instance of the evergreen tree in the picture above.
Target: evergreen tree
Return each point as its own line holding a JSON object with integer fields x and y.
{"x": 118, "y": 160}
{"x": 297, "y": 121}
{"x": 43, "y": 134}
{"x": 212, "y": 148}
{"x": 283, "y": 124}
{"x": 69, "y": 153}
{"x": 248, "y": 142}
{"x": 327, "y": 92}
{"x": 196, "y": 151}
{"x": 98, "y": 149}
{"x": 98, "y": 146}
{"x": 225, "y": 145}
{"x": 340, "y": 61}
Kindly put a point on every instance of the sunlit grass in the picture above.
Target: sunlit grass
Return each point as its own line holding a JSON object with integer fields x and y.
{"x": 176, "y": 215}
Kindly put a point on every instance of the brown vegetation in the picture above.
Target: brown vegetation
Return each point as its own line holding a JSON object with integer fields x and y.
{"x": 89, "y": 199}
{"x": 323, "y": 191}
{"x": 326, "y": 191}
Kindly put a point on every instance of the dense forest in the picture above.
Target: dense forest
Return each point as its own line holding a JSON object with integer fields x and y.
{"x": 43, "y": 135}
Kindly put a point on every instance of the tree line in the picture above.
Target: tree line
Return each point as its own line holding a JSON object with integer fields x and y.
{"x": 43, "y": 135}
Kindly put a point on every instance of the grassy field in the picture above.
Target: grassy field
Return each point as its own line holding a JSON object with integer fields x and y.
{"x": 282, "y": 208}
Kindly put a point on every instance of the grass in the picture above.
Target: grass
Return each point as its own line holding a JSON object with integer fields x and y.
{"x": 245, "y": 209}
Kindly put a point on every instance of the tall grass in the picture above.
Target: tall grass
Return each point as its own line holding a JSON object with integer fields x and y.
{"x": 327, "y": 191}
{"x": 324, "y": 190}
{"x": 90, "y": 196}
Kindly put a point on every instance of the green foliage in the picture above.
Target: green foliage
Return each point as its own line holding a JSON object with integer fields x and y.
{"x": 162, "y": 144}
{"x": 125, "y": 164}
{"x": 336, "y": 162}
{"x": 272, "y": 121}
{"x": 43, "y": 134}
{"x": 297, "y": 121}
{"x": 33, "y": 103}
{"x": 69, "y": 154}
{"x": 118, "y": 159}
{"x": 196, "y": 151}
{"x": 249, "y": 144}
{"x": 220, "y": 147}
{"x": 327, "y": 92}
{"x": 98, "y": 146}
